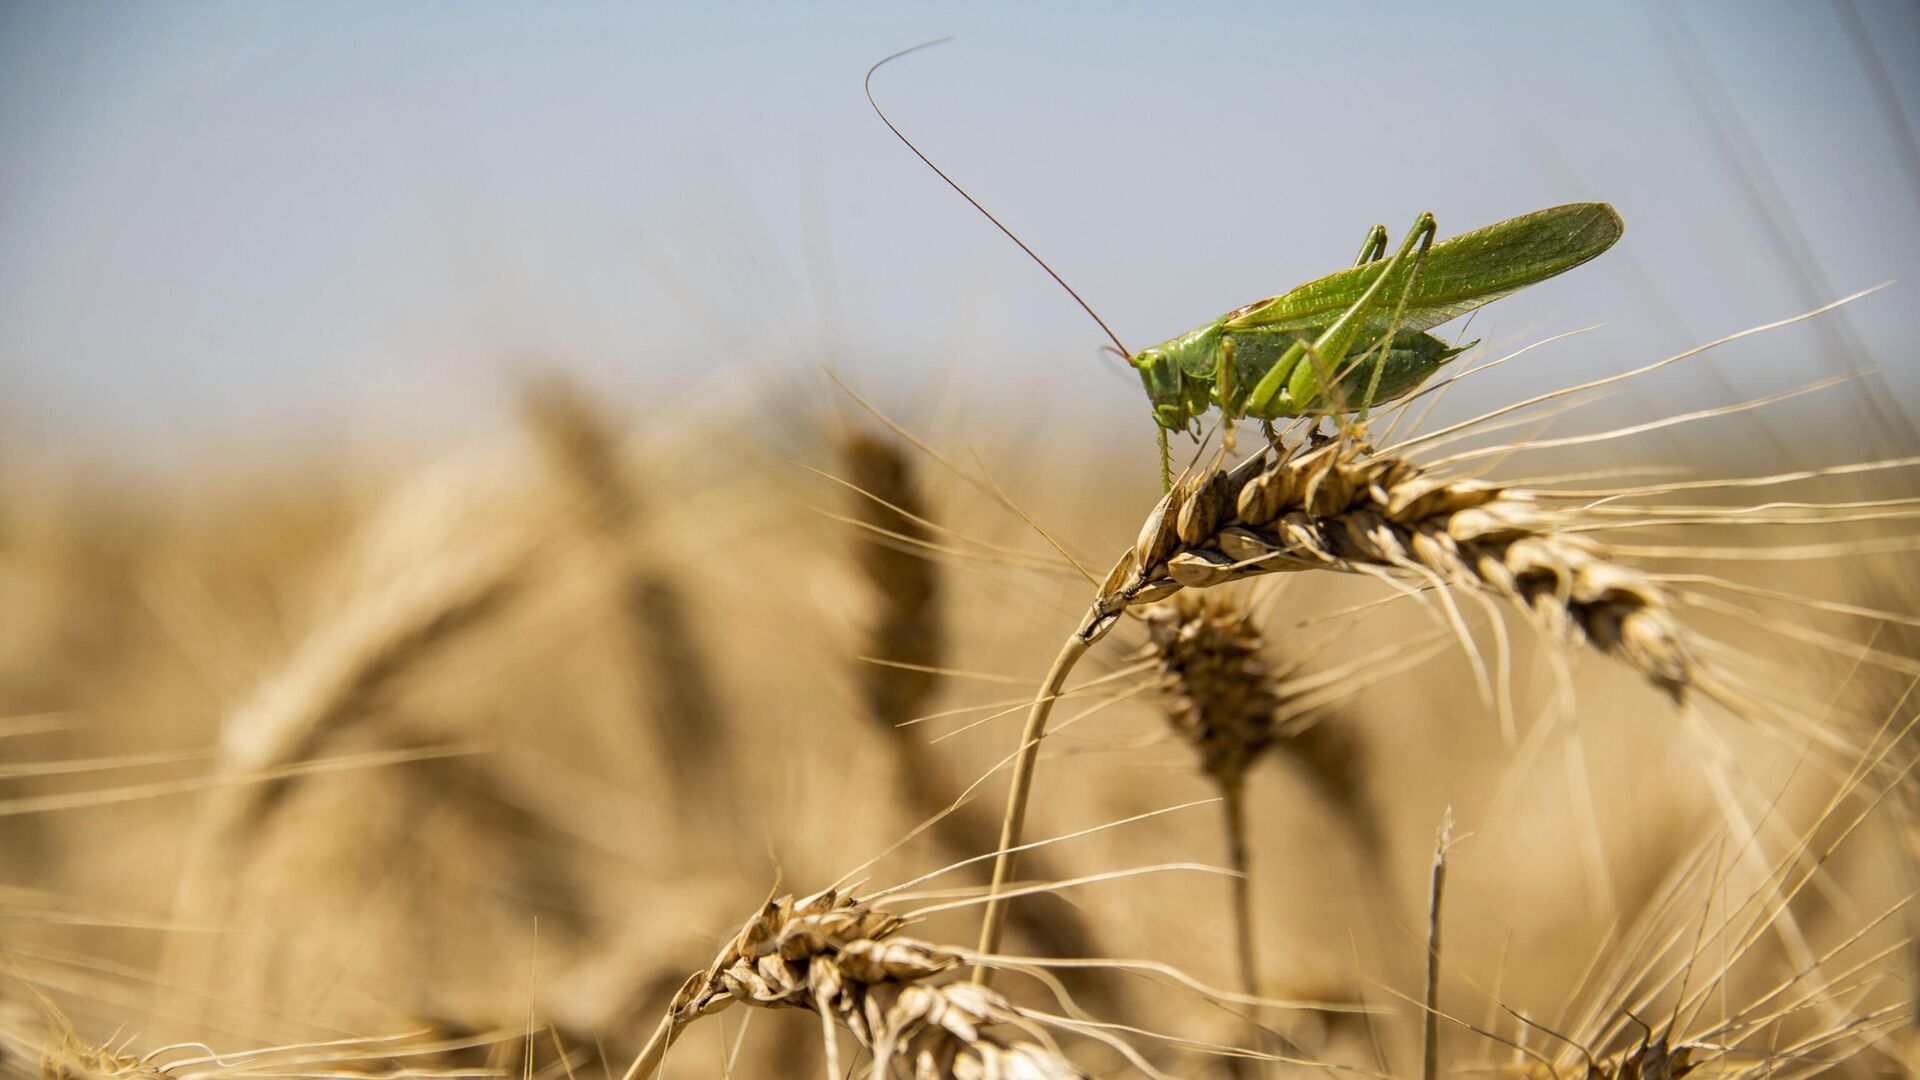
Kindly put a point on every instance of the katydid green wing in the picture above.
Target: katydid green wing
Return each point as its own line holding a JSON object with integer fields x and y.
{"x": 1460, "y": 274}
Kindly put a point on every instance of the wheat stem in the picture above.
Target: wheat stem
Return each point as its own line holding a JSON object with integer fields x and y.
{"x": 994, "y": 920}
{"x": 1233, "y": 807}
{"x": 655, "y": 1051}
{"x": 1234, "y": 818}
{"x": 1430, "y": 1030}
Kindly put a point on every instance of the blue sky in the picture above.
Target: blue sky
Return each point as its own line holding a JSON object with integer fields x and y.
{"x": 227, "y": 222}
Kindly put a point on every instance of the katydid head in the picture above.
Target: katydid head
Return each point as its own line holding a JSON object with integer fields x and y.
{"x": 1166, "y": 387}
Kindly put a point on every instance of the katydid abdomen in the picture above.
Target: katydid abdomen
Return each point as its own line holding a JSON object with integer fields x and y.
{"x": 1407, "y": 362}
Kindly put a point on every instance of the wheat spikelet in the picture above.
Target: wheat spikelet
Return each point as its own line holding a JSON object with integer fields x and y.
{"x": 1231, "y": 704}
{"x": 846, "y": 961}
{"x": 1218, "y": 690}
{"x": 1339, "y": 506}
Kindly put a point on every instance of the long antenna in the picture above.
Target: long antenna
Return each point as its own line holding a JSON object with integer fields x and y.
{"x": 1077, "y": 298}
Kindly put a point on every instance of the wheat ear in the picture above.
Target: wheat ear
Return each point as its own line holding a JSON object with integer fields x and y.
{"x": 1339, "y": 506}
{"x": 672, "y": 681}
{"x": 1219, "y": 696}
{"x": 846, "y": 961}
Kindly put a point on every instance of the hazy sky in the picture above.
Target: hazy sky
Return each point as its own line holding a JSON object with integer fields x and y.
{"x": 222, "y": 221}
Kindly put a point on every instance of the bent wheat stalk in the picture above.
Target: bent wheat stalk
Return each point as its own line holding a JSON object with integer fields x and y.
{"x": 903, "y": 647}
{"x": 1339, "y": 505}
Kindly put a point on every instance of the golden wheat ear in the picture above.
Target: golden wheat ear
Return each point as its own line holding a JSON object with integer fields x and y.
{"x": 848, "y": 962}
{"x": 671, "y": 682}
{"x": 1342, "y": 507}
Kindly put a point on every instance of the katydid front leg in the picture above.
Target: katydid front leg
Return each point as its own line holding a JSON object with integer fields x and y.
{"x": 1223, "y": 386}
{"x": 1303, "y": 381}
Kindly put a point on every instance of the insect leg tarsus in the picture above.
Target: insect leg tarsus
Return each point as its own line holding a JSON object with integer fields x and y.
{"x": 1375, "y": 246}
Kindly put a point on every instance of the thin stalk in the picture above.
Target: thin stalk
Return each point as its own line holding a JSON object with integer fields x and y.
{"x": 655, "y": 1051}
{"x": 995, "y": 918}
{"x": 1430, "y": 1039}
{"x": 1233, "y": 807}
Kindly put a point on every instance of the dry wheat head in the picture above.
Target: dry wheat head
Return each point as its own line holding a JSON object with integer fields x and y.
{"x": 1340, "y": 506}
{"x": 846, "y": 961}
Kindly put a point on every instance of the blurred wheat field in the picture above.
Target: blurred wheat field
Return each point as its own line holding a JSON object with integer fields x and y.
{"x": 463, "y": 766}
{"x": 691, "y": 713}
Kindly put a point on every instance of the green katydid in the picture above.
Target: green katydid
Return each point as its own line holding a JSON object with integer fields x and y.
{"x": 1288, "y": 355}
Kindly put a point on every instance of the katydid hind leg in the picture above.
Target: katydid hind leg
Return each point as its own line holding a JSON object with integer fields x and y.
{"x": 1260, "y": 400}
{"x": 1311, "y": 385}
{"x": 1423, "y": 228}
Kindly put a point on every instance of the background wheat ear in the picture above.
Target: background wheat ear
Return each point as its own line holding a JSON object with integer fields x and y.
{"x": 1218, "y": 695}
{"x": 670, "y": 682}
{"x": 1224, "y": 697}
{"x": 905, "y": 635}
{"x": 401, "y": 602}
